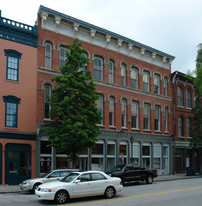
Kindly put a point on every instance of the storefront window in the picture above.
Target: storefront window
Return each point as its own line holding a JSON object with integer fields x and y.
{"x": 97, "y": 149}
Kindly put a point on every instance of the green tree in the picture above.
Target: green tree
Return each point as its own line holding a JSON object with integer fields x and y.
{"x": 73, "y": 106}
{"x": 196, "y": 142}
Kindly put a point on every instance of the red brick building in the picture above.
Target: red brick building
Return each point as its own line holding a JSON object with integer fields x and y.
{"x": 135, "y": 88}
{"x": 18, "y": 62}
{"x": 183, "y": 101}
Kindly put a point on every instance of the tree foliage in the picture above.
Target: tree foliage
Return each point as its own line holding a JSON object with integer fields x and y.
{"x": 196, "y": 142}
{"x": 73, "y": 105}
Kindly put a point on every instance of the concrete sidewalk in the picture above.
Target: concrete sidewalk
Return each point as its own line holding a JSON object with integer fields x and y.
{"x": 16, "y": 188}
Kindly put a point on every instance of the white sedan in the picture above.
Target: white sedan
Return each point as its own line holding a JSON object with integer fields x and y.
{"x": 80, "y": 184}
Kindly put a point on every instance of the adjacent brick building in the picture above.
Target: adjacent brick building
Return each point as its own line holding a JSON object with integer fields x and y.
{"x": 135, "y": 88}
{"x": 18, "y": 62}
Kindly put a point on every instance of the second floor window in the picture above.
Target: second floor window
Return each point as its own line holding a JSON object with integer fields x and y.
{"x": 98, "y": 69}
{"x": 48, "y": 55}
{"x": 188, "y": 127}
{"x": 166, "y": 86}
{"x": 146, "y": 114}
{"x": 111, "y": 111}
{"x": 166, "y": 119}
{"x": 123, "y": 75}
{"x": 188, "y": 98}
{"x": 62, "y": 56}
{"x": 134, "y": 78}
{"x": 180, "y": 127}
{"x": 12, "y": 68}
{"x": 123, "y": 113}
{"x": 180, "y": 96}
{"x": 146, "y": 81}
{"x": 135, "y": 115}
{"x": 11, "y": 111}
{"x": 99, "y": 103}
{"x": 156, "y": 84}
{"x": 157, "y": 119}
{"x": 47, "y": 103}
{"x": 111, "y": 72}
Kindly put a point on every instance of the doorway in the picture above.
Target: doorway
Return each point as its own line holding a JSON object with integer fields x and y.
{"x": 18, "y": 163}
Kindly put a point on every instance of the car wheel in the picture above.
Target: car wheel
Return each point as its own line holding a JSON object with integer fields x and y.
{"x": 109, "y": 192}
{"x": 149, "y": 179}
{"x": 35, "y": 187}
{"x": 61, "y": 197}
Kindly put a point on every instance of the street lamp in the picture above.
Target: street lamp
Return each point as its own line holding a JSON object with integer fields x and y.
{"x": 131, "y": 141}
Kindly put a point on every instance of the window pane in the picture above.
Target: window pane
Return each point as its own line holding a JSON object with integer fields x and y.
{"x": 11, "y": 114}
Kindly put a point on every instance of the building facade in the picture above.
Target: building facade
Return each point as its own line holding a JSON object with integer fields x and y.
{"x": 18, "y": 63}
{"x": 135, "y": 95}
{"x": 183, "y": 101}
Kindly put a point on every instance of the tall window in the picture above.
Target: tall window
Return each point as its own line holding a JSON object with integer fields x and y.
{"x": 135, "y": 115}
{"x": 47, "y": 103}
{"x": 63, "y": 56}
{"x": 111, "y": 72}
{"x": 166, "y": 86}
{"x": 188, "y": 98}
{"x": 11, "y": 111}
{"x": 166, "y": 119}
{"x": 134, "y": 78}
{"x": 180, "y": 127}
{"x": 98, "y": 69}
{"x": 99, "y": 103}
{"x": 195, "y": 98}
{"x": 123, "y": 113}
{"x": 156, "y": 84}
{"x": 146, "y": 114}
{"x": 111, "y": 111}
{"x": 146, "y": 81}
{"x": 12, "y": 67}
{"x": 188, "y": 127}
{"x": 48, "y": 55}
{"x": 157, "y": 119}
{"x": 123, "y": 75}
{"x": 180, "y": 96}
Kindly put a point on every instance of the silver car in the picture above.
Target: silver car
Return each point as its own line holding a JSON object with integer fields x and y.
{"x": 32, "y": 184}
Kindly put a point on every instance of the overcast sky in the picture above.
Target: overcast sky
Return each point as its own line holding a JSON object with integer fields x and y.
{"x": 171, "y": 26}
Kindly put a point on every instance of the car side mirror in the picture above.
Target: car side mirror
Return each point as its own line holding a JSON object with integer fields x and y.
{"x": 77, "y": 181}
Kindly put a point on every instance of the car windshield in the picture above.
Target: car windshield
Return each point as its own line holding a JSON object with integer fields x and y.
{"x": 70, "y": 177}
{"x": 118, "y": 168}
{"x": 45, "y": 174}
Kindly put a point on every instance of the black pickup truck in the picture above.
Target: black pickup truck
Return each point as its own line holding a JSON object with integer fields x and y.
{"x": 132, "y": 173}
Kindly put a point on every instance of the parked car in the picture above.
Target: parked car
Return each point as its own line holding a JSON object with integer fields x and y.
{"x": 131, "y": 173}
{"x": 32, "y": 184}
{"x": 80, "y": 184}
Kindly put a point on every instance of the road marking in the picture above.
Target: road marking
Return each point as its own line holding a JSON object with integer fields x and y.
{"x": 131, "y": 197}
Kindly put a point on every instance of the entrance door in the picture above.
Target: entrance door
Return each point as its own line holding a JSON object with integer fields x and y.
{"x": 0, "y": 164}
{"x": 18, "y": 163}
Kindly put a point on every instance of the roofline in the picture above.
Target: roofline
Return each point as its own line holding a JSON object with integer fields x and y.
{"x": 102, "y": 31}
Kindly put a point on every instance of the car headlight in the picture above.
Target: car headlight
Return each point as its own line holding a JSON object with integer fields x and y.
{"x": 27, "y": 183}
{"x": 45, "y": 190}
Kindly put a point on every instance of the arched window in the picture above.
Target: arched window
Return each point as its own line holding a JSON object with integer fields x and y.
{"x": 146, "y": 81}
{"x": 98, "y": 69}
{"x": 165, "y": 86}
{"x": 146, "y": 114}
{"x": 180, "y": 96}
{"x": 47, "y": 103}
{"x": 134, "y": 78}
{"x": 188, "y": 98}
{"x": 135, "y": 115}
{"x": 180, "y": 127}
{"x": 156, "y": 84}
{"x": 123, "y": 110}
{"x": 188, "y": 127}
{"x": 62, "y": 56}
{"x": 123, "y": 75}
{"x": 99, "y": 103}
{"x": 48, "y": 55}
{"x": 166, "y": 119}
{"x": 111, "y": 111}
{"x": 157, "y": 118}
{"x": 111, "y": 72}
